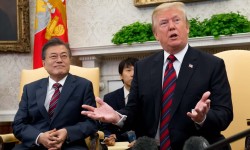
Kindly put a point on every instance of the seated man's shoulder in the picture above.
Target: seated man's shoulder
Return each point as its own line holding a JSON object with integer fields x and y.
{"x": 36, "y": 83}
{"x": 80, "y": 79}
{"x": 113, "y": 94}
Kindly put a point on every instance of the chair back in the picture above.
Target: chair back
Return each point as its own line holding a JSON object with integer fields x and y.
{"x": 238, "y": 70}
{"x": 92, "y": 74}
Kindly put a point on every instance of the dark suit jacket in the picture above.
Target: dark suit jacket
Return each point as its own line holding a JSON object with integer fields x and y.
{"x": 32, "y": 118}
{"x": 199, "y": 72}
{"x": 116, "y": 100}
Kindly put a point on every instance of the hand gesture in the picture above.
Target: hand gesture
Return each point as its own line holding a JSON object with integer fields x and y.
{"x": 201, "y": 109}
{"x": 103, "y": 113}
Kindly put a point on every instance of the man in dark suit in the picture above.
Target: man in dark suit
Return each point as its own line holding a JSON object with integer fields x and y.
{"x": 201, "y": 100}
{"x": 118, "y": 99}
{"x": 37, "y": 125}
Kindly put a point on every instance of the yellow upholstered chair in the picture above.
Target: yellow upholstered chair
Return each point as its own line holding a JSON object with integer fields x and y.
{"x": 28, "y": 76}
{"x": 91, "y": 74}
{"x": 238, "y": 70}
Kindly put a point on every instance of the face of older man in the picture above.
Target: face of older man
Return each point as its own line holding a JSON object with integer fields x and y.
{"x": 171, "y": 29}
{"x": 57, "y": 62}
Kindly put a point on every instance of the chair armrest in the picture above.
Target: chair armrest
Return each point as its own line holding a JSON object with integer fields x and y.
{"x": 101, "y": 135}
{"x": 7, "y": 141}
{"x": 8, "y": 138}
{"x": 93, "y": 141}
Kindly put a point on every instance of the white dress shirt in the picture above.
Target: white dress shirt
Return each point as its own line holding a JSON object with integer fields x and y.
{"x": 126, "y": 93}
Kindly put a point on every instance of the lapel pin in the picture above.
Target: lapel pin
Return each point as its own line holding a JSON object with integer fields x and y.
{"x": 190, "y": 66}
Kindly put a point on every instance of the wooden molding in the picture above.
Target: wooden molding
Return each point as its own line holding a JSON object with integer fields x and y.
{"x": 144, "y": 3}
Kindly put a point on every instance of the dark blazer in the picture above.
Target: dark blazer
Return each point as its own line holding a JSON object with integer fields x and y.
{"x": 116, "y": 100}
{"x": 199, "y": 72}
{"x": 32, "y": 118}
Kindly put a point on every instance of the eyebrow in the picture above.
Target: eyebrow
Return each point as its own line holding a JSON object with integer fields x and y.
{"x": 59, "y": 53}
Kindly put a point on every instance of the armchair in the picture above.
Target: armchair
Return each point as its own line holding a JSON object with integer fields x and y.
{"x": 238, "y": 70}
{"x": 28, "y": 76}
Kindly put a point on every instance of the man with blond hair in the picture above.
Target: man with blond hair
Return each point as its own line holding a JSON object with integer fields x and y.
{"x": 176, "y": 93}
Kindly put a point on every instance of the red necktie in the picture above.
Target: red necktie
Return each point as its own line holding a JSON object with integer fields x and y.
{"x": 168, "y": 87}
{"x": 54, "y": 99}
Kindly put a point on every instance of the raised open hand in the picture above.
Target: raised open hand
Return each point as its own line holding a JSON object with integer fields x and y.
{"x": 201, "y": 109}
{"x": 103, "y": 113}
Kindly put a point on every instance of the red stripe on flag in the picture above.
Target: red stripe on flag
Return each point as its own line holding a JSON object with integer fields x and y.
{"x": 38, "y": 44}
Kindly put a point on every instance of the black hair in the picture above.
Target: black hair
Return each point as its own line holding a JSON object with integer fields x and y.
{"x": 54, "y": 42}
{"x": 130, "y": 61}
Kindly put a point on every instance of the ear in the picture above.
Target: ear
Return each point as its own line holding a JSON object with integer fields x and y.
{"x": 156, "y": 36}
{"x": 187, "y": 26}
{"x": 43, "y": 63}
{"x": 121, "y": 77}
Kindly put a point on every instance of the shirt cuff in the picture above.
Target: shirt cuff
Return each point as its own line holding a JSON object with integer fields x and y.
{"x": 37, "y": 139}
{"x": 120, "y": 123}
{"x": 202, "y": 122}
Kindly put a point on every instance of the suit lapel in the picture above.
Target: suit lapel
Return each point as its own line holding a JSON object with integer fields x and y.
{"x": 41, "y": 96}
{"x": 188, "y": 67}
{"x": 156, "y": 81}
{"x": 67, "y": 89}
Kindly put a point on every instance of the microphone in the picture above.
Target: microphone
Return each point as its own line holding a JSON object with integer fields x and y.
{"x": 131, "y": 136}
{"x": 228, "y": 140}
{"x": 196, "y": 143}
{"x": 145, "y": 143}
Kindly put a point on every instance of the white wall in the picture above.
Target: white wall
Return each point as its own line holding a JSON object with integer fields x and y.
{"x": 93, "y": 22}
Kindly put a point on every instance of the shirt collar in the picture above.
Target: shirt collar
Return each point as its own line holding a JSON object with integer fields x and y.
{"x": 51, "y": 82}
{"x": 126, "y": 92}
{"x": 179, "y": 56}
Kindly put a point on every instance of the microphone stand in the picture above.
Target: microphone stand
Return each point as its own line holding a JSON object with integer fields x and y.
{"x": 229, "y": 140}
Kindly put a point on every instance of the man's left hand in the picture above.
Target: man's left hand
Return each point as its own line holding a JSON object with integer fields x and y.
{"x": 198, "y": 114}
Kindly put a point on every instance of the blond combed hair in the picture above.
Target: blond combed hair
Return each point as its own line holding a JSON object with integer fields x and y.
{"x": 165, "y": 6}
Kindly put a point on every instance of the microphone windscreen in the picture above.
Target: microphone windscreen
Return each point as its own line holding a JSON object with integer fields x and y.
{"x": 196, "y": 143}
{"x": 145, "y": 143}
{"x": 131, "y": 136}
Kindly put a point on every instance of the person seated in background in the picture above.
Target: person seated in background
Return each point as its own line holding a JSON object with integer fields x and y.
{"x": 49, "y": 114}
{"x": 117, "y": 100}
